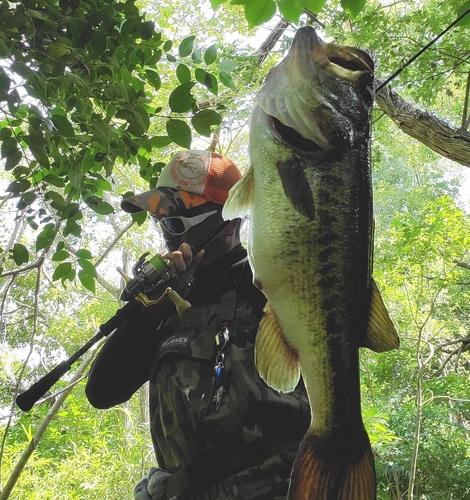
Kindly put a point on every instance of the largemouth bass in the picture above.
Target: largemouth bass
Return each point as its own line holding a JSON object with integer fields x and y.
{"x": 309, "y": 194}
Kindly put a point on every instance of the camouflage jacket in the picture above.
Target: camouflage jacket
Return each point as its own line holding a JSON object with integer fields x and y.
{"x": 242, "y": 449}
{"x": 238, "y": 442}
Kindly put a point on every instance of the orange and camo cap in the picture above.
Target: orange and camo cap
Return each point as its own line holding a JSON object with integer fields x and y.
{"x": 189, "y": 179}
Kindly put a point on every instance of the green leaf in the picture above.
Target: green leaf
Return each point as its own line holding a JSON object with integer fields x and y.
{"x": 88, "y": 267}
{"x": 20, "y": 254}
{"x": 26, "y": 200}
{"x": 314, "y": 6}
{"x": 226, "y": 80}
{"x": 19, "y": 186}
{"x": 53, "y": 180}
{"x": 99, "y": 206}
{"x": 4, "y": 81}
{"x": 72, "y": 227}
{"x": 5, "y": 133}
{"x": 9, "y": 146}
{"x": 181, "y": 99}
{"x": 186, "y": 46}
{"x": 87, "y": 281}
{"x": 55, "y": 197}
{"x": 207, "y": 79}
{"x": 83, "y": 253}
{"x": 257, "y": 11}
{"x": 60, "y": 255}
{"x": 139, "y": 218}
{"x": 227, "y": 66}
{"x": 63, "y": 125}
{"x": 136, "y": 129}
{"x": 62, "y": 270}
{"x": 291, "y": 10}
{"x": 154, "y": 78}
{"x": 353, "y": 7}
{"x": 183, "y": 73}
{"x": 210, "y": 55}
{"x": 160, "y": 141}
{"x": 465, "y": 21}
{"x": 196, "y": 56}
{"x": 13, "y": 160}
{"x": 203, "y": 120}
{"x": 75, "y": 175}
{"x": 45, "y": 237}
{"x": 216, "y": 3}
{"x": 179, "y": 132}
{"x": 39, "y": 152}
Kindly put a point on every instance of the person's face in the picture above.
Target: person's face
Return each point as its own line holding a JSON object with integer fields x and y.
{"x": 195, "y": 234}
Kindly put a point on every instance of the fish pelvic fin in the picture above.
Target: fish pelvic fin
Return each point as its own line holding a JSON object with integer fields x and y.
{"x": 381, "y": 334}
{"x": 276, "y": 361}
{"x": 241, "y": 196}
{"x": 314, "y": 478}
{"x": 296, "y": 187}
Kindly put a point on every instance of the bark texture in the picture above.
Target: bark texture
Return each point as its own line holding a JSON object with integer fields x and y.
{"x": 423, "y": 126}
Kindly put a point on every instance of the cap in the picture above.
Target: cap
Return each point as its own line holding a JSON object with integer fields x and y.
{"x": 188, "y": 180}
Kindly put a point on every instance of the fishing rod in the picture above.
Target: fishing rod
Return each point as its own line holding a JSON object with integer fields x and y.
{"x": 149, "y": 277}
{"x": 426, "y": 47}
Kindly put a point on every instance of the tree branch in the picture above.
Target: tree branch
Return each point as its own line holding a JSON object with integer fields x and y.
{"x": 271, "y": 41}
{"x": 464, "y": 124}
{"x": 434, "y": 133}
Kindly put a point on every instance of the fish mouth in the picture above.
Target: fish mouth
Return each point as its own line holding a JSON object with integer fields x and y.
{"x": 290, "y": 137}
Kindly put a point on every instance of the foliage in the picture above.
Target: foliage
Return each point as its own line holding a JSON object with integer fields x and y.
{"x": 82, "y": 442}
{"x": 261, "y": 11}
{"x": 85, "y": 87}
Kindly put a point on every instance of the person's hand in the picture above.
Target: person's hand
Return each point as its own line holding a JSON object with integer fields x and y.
{"x": 152, "y": 486}
{"x": 182, "y": 265}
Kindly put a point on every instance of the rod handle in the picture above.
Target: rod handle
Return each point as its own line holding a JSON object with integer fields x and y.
{"x": 28, "y": 398}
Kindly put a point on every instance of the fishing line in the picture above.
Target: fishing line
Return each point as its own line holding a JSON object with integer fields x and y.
{"x": 426, "y": 47}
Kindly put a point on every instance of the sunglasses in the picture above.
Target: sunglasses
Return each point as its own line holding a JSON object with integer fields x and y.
{"x": 177, "y": 225}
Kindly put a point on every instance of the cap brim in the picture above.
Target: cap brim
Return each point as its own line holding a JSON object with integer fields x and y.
{"x": 162, "y": 201}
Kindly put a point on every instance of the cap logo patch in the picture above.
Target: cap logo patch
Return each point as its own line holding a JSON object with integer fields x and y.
{"x": 190, "y": 171}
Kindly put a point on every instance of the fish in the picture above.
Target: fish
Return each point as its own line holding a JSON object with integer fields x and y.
{"x": 308, "y": 193}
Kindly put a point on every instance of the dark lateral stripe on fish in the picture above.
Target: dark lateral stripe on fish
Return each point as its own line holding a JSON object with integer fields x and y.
{"x": 296, "y": 187}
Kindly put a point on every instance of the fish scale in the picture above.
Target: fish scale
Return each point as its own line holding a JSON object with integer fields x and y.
{"x": 308, "y": 192}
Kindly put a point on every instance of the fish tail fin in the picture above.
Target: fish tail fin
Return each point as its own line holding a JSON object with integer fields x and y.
{"x": 316, "y": 478}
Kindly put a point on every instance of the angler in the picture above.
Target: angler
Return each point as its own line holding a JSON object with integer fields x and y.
{"x": 219, "y": 432}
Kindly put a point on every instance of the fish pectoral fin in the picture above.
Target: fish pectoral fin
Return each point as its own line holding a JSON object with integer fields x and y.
{"x": 240, "y": 198}
{"x": 296, "y": 187}
{"x": 276, "y": 361}
{"x": 381, "y": 334}
{"x": 342, "y": 477}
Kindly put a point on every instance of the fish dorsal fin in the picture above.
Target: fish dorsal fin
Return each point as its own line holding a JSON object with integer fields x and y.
{"x": 276, "y": 361}
{"x": 240, "y": 198}
{"x": 296, "y": 187}
{"x": 381, "y": 334}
